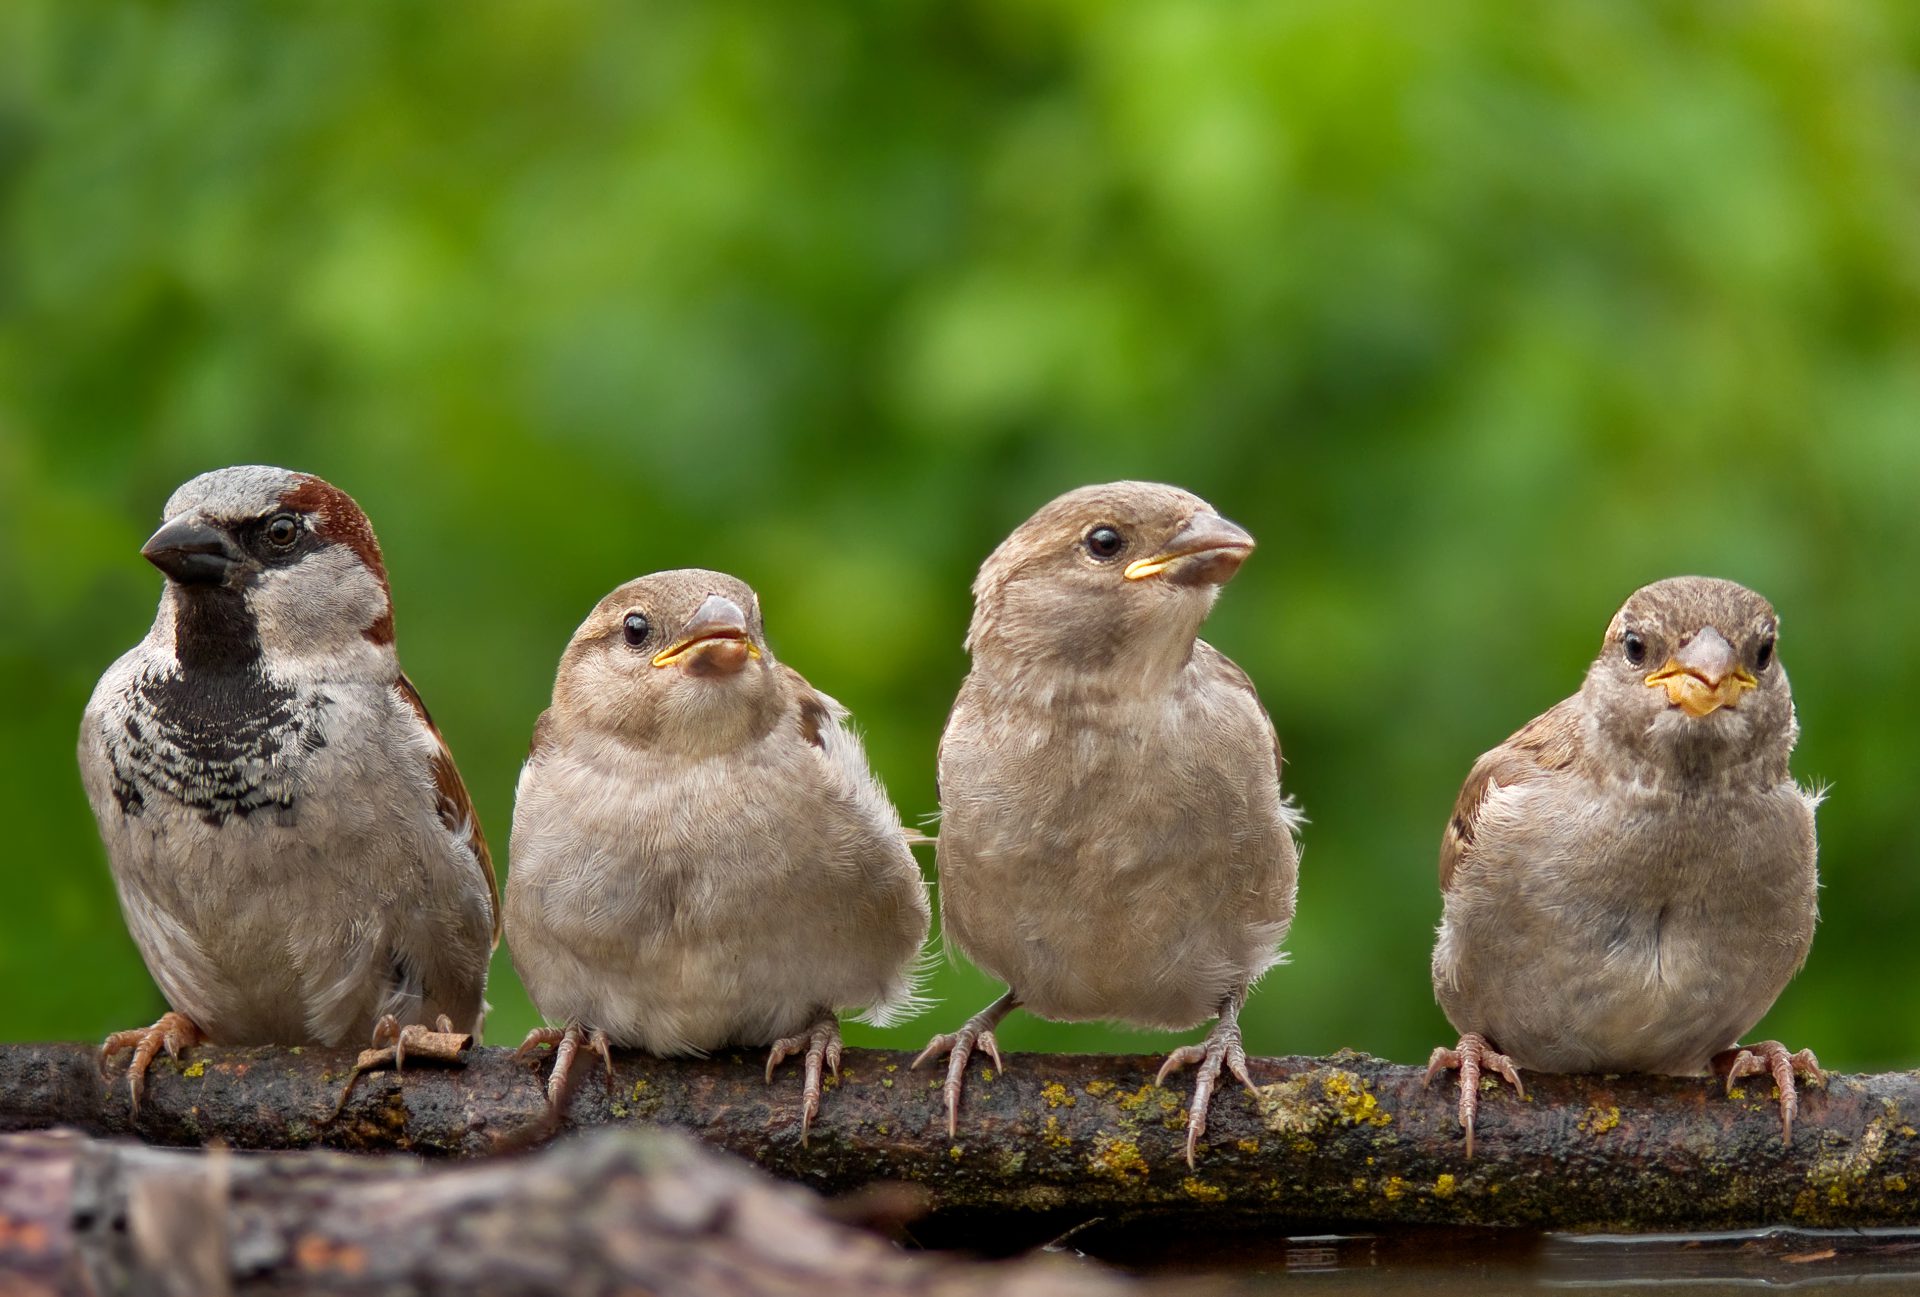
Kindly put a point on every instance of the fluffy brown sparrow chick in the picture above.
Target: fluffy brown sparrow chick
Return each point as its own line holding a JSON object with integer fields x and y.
{"x": 701, "y": 856}
{"x": 1113, "y": 841}
{"x": 296, "y": 856}
{"x": 1629, "y": 880}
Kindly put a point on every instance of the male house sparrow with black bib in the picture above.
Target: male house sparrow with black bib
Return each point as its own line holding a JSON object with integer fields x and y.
{"x": 1629, "y": 880}
{"x": 296, "y": 856}
{"x": 1113, "y": 841}
{"x": 701, "y": 857}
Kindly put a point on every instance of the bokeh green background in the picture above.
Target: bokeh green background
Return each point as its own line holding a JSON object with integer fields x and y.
{"x": 1479, "y": 315}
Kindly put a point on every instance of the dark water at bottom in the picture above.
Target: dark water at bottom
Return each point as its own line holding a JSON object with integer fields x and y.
{"x": 1441, "y": 1262}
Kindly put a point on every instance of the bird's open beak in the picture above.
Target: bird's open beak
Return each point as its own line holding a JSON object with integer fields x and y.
{"x": 191, "y": 551}
{"x": 714, "y": 642}
{"x": 1208, "y": 550}
{"x": 1703, "y": 676}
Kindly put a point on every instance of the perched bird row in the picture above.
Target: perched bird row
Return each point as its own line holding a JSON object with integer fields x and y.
{"x": 702, "y": 858}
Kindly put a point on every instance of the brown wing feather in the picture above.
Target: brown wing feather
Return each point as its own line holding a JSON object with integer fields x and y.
{"x": 454, "y": 805}
{"x": 542, "y": 735}
{"x": 1549, "y": 742}
{"x": 815, "y": 716}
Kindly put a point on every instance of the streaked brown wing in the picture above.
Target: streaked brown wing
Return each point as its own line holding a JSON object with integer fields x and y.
{"x": 455, "y": 807}
{"x": 1549, "y": 742}
{"x": 815, "y": 716}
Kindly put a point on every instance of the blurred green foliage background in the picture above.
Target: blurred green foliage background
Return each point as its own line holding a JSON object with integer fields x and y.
{"x": 1479, "y": 315}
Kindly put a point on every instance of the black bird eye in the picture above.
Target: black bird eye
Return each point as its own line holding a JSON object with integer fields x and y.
{"x": 1635, "y": 647}
{"x": 1105, "y": 542}
{"x": 635, "y": 629}
{"x": 282, "y": 530}
{"x": 1763, "y": 656}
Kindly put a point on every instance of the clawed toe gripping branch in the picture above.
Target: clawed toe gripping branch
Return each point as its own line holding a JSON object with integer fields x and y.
{"x": 821, "y": 1042}
{"x": 567, "y": 1042}
{"x": 393, "y": 1044}
{"x": 1222, "y": 1047}
{"x": 1771, "y": 1058}
{"x": 1470, "y": 1056}
{"x": 174, "y": 1032}
{"x": 959, "y": 1046}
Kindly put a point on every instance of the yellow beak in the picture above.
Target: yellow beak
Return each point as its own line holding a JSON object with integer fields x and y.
{"x": 1703, "y": 677}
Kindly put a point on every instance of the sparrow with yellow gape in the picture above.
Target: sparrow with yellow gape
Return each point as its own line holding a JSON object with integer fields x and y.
{"x": 701, "y": 856}
{"x": 1629, "y": 881}
{"x": 1113, "y": 841}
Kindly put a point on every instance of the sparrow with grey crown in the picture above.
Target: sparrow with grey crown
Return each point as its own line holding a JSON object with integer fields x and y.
{"x": 295, "y": 854}
{"x": 701, "y": 857}
{"x": 1629, "y": 881}
{"x": 1113, "y": 841}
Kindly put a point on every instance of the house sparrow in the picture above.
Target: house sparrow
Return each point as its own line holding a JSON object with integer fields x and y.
{"x": 1113, "y": 841}
{"x": 701, "y": 856}
{"x": 296, "y": 856}
{"x": 1629, "y": 880}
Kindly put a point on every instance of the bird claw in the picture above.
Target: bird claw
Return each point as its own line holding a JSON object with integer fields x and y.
{"x": 566, "y": 1042}
{"x": 1473, "y": 1054}
{"x": 393, "y": 1042}
{"x": 535, "y": 1039}
{"x": 173, "y": 1033}
{"x": 416, "y": 1036}
{"x": 959, "y": 1046}
{"x": 1771, "y": 1058}
{"x": 821, "y": 1043}
{"x": 1222, "y": 1048}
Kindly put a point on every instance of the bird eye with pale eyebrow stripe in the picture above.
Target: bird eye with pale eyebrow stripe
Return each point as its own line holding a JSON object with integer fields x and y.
{"x": 1105, "y": 542}
{"x": 634, "y": 629}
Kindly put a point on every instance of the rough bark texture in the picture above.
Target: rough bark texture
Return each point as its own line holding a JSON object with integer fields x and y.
{"x": 1347, "y": 1139}
{"x": 614, "y": 1212}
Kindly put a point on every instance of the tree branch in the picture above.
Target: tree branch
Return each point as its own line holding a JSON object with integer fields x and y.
{"x": 1343, "y": 1139}
{"x": 615, "y": 1211}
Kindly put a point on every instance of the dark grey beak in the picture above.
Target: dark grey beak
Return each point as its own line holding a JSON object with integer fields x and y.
{"x": 191, "y": 552}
